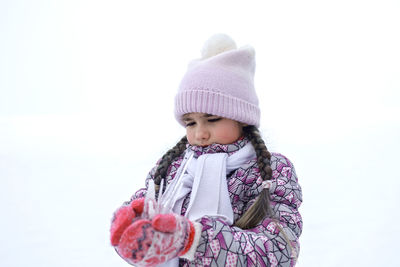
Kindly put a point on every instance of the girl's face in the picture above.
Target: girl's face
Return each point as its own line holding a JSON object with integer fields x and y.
{"x": 204, "y": 129}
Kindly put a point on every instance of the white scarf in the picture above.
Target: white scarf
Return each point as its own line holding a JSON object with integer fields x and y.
{"x": 205, "y": 178}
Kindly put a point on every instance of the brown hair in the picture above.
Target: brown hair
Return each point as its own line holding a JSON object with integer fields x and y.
{"x": 261, "y": 206}
{"x": 166, "y": 160}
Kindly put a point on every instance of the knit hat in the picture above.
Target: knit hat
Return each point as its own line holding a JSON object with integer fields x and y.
{"x": 220, "y": 83}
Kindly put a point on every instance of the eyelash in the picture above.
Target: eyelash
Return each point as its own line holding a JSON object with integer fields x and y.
{"x": 210, "y": 120}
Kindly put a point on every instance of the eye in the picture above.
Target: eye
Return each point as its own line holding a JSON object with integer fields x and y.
{"x": 191, "y": 123}
{"x": 214, "y": 119}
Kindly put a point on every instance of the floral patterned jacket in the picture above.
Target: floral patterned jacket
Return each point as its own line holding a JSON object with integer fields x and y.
{"x": 266, "y": 244}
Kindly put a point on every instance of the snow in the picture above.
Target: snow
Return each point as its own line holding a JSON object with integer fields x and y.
{"x": 86, "y": 93}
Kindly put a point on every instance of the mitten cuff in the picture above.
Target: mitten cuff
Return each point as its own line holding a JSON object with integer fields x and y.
{"x": 196, "y": 228}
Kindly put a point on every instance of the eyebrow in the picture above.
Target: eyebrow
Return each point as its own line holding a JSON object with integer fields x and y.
{"x": 187, "y": 118}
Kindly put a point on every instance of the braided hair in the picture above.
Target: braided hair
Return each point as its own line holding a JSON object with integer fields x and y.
{"x": 166, "y": 160}
{"x": 261, "y": 206}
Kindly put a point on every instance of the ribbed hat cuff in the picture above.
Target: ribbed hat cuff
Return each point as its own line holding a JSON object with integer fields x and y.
{"x": 216, "y": 104}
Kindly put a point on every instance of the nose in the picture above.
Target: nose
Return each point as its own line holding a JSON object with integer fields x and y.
{"x": 202, "y": 134}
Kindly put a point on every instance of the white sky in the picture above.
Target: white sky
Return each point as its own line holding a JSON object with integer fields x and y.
{"x": 86, "y": 108}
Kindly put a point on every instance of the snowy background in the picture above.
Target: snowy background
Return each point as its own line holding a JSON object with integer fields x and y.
{"x": 86, "y": 109}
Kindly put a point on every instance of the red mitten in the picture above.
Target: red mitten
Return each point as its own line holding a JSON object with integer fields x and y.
{"x": 124, "y": 217}
{"x": 149, "y": 243}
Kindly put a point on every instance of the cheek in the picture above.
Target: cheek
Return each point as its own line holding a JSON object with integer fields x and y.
{"x": 189, "y": 136}
{"x": 228, "y": 135}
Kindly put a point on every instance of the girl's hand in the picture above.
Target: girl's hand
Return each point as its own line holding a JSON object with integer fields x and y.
{"x": 123, "y": 218}
{"x": 152, "y": 242}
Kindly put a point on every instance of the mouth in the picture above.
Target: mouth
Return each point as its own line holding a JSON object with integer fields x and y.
{"x": 204, "y": 145}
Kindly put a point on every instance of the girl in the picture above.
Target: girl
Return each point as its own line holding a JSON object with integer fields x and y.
{"x": 222, "y": 198}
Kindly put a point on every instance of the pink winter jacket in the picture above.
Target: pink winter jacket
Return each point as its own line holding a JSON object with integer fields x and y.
{"x": 265, "y": 245}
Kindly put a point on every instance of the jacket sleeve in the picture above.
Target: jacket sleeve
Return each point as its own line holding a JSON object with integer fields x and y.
{"x": 273, "y": 242}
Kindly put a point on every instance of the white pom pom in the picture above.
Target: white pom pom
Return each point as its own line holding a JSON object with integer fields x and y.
{"x": 217, "y": 44}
